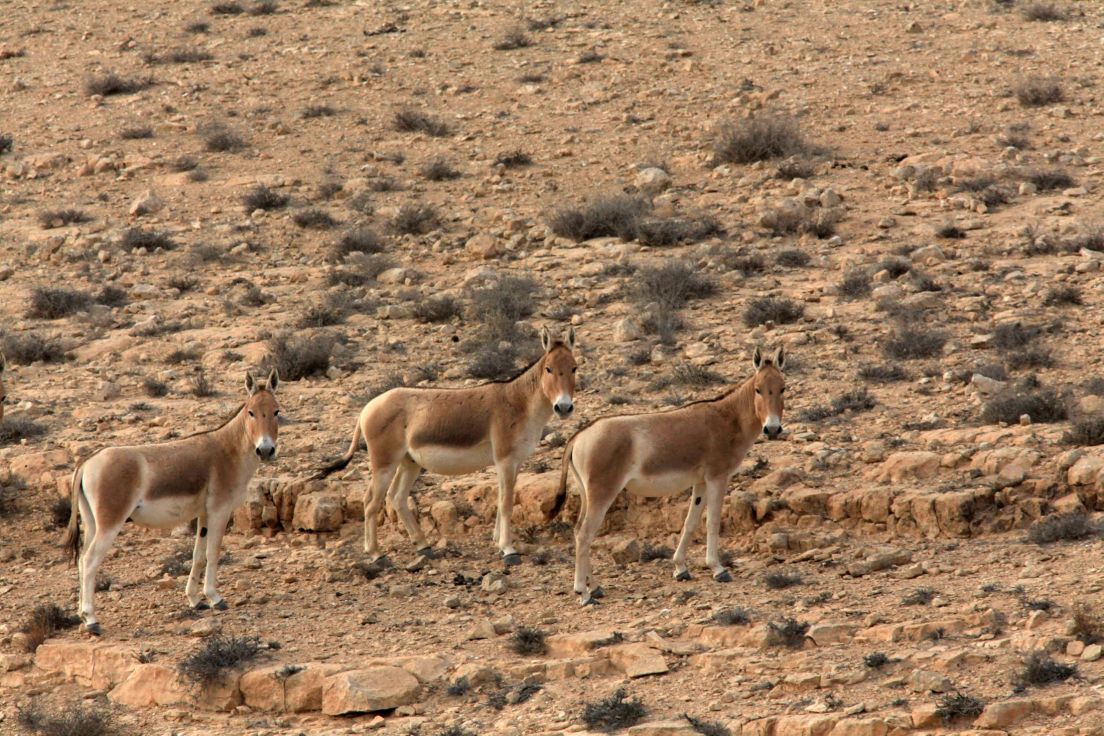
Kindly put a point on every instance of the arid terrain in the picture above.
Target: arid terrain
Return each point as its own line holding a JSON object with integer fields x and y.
{"x": 905, "y": 195}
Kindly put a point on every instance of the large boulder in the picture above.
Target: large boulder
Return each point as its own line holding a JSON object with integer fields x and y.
{"x": 318, "y": 512}
{"x": 368, "y": 690}
{"x": 910, "y": 465}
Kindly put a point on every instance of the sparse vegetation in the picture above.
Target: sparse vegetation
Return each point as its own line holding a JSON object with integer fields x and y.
{"x": 856, "y": 284}
{"x": 1043, "y": 405}
{"x": 706, "y": 728}
{"x": 1040, "y": 669}
{"x": 950, "y": 231}
{"x": 154, "y": 388}
{"x": 301, "y": 355}
{"x": 261, "y": 197}
{"x": 1038, "y": 91}
{"x": 514, "y": 39}
{"x": 216, "y": 656}
{"x": 759, "y": 138}
{"x": 31, "y": 347}
{"x": 111, "y": 83}
{"x": 613, "y": 713}
{"x": 415, "y": 121}
{"x": 1046, "y": 180}
{"x": 317, "y": 111}
{"x": 788, "y": 633}
{"x": 852, "y": 402}
{"x": 1063, "y": 295}
{"x": 220, "y": 138}
{"x": 440, "y": 169}
{"x": 731, "y": 617}
{"x": 45, "y": 620}
{"x": 74, "y": 719}
{"x": 913, "y": 343}
{"x": 357, "y": 240}
{"x": 1068, "y": 527}
{"x": 958, "y": 707}
{"x": 1087, "y": 625}
{"x": 513, "y": 159}
{"x": 415, "y": 219}
{"x": 779, "y": 310}
{"x": 875, "y": 660}
{"x": 201, "y": 386}
{"x": 48, "y": 219}
{"x": 615, "y": 215}
{"x": 527, "y": 642}
{"x": 650, "y": 552}
{"x": 437, "y": 309}
{"x": 792, "y": 258}
{"x": 51, "y": 303}
{"x": 1042, "y": 11}
{"x": 136, "y": 238}
{"x": 919, "y": 597}
{"x": 779, "y": 580}
{"x": 885, "y": 373}
{"x": 314, "y": 219}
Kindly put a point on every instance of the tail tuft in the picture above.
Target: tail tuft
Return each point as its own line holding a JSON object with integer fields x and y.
{"x": 340, "y": 464}
{"x": 561, "y": 494}
{"x": 71, "y": 542}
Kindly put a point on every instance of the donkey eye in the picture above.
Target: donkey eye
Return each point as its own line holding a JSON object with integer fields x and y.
{"x": 548, "y": 369}
{"x": 758, "y": 392}
{"x": 781, "y": 391}
{"x": 276, "y": 413}
{"x": 250, "y": 413}
{"x": 574, "y": 369}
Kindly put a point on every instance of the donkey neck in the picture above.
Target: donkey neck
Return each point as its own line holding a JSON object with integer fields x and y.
{"x": 526, "y": 390}
{"x": 232, "y": 436}
{"x": 739, "y": 405}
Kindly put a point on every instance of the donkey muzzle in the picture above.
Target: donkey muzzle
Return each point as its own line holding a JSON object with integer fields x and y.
{"x": 563, "y": 409}
{"x": 266, "y": 451}
{"x": 773, "y": 432}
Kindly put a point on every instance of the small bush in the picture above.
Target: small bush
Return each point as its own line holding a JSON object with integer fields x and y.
{"x": 649, "y": 552}
{"x": 49, "y": 219}
{"x": 874, "y": 660}
{"x": 458, "y": 687}
{"x": 415, "y": 121}
{"x": 688, "y": 374}
{"x": 787, "y": 633}
{"x": 1046, "y": 180}
{"x": 958, "y": 707}
{"x": 18, "y": 428}
{"x": 590, "y": 56}
{"x": 298, "y": 356}
{"x": 45, "y": 620}
{"x": 184, "y": 56}
{"x": 895, "y": 266}
{"x": 1033, "y": 357}
{"x": 1042, "y": 11}
{"x": 220, "y": 138}
{"x": 6, "y": 143}
{"x": 362, "y": 270}
{"x": 135, "y": 238}
{"x": 1087, "y": 626}
{"x": 1066, "y": 527}
{"x": 502, "y": 304}
{"x": 183, "y": 283}
{"x": 913, "y": 343}
{"x": 437, "y": 309}
{"x": 706, "y": 728}
{"x": 748, "y": 265}
{"x": 493, "y": 362}
{"x": 527, "y": 642}
{"x": 731, "y": 617}
{"x": 513, "y": 159}
{"x": 261, "y": 197}
{"x": 886, "y": 373}
{"x": 48, "y": 303}
{"x": 197, "y": 27}
{"x": 672, "y": 284}
{"x": 112, "y": 84}
{"x": 230, "y": 8}
{"x": 778, "y": 310}
{"x": 415, "y": 219}
{"x": 1043, "y": 405}
{"x": 759, "y": 138}
{"x": 613, "y": 713}
{"x": 856, "y": 284}
{"x": 332, "y": 310}
{"x": 792, "y": 258}
{"x": 265, "y": 7}
{"x": 781, "y": 580}
{"x": 440, "y": 169}
{"x": 357, "y": 240}
{"x": 854, "y": 402}
{"x": 216, "y": 656}
{"x": 950, "y": 231}
{"x": 795, "y": 167}
{"x": 74, "y": 719}
{"x": 1014, "y": 336}
{"x": 314, "y": 219}
{"x": 1038, "y": 91}
{"x": 1086, "y": 431}
{"x": 666, "y": 232}
{"x": 184, "y": 163}
{"x": 515, "y": 38}
{"x": 1061, "y": 296}
{"x": 154, "y": 388}
{"x": 31, "y": 347}
{"x": 616, "y": 215}
{"x": 919, "y": 597}
{"x": 1040, "y": 669}
{"x": 200, "y": 386}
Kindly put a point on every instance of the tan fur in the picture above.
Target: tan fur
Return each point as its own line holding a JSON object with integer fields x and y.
{"x": 458, "y": 431}
{"x": 202, "y": 477}
{"x": 697, "y": 446}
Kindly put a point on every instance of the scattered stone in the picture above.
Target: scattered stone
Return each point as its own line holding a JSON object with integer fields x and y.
{"x": 368, "y": 690}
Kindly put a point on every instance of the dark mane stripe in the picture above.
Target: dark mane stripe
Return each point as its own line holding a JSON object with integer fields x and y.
{"x": 224, "y": 423}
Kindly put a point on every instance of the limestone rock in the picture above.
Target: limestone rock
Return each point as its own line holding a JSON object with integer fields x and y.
{"x": 637, "y": 660}
{"x": 318, "y": 512}
{"x": 368, "y": 690}
{"x": 626, "y": 552}
{"x": 1000, "y": 715}
{"x": 652, "y": 180}
{"x": 915, "y": 464}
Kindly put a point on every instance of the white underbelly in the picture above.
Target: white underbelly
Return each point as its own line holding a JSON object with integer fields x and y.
{"x": 166, "y": 513}
{"x": 665, "y": 484}
{"x": 453, "y": 460}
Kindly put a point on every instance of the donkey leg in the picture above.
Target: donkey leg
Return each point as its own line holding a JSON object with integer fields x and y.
{"x": 400, "y": 497}
{"x": 693, "y": 518}
{"x": 507, "y": 477}
{"x": 90, "y": 565}
{"x": 89, "y": 522}
{"x": 584, "y": 538}
{"x": 714, "y": 497}
{"x": 373, "y": 502}
{"x": 216, "y": 527}
{"x": 199, "y": 561}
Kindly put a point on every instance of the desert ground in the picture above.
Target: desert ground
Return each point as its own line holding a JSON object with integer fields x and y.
{"x": 364, "y": 195}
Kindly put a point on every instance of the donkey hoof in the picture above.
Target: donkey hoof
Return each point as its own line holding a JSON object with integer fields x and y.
{"x": 380, "y": 561}
{"x": 682, "y": 576}
{"x": 598, "y": 593}
{"x": 222, "y": 605}
{"x": 93, "y": 629}
{"x": 426, "y": 552}
{"x": 511, "y": 559}
{"x": 589, "y": 600}
{"x": 723, "y": 577}
{"x": 202, "y": 606}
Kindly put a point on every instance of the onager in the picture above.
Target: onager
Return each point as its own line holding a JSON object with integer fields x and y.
{"x": 458, "y": 431}
{"x": 699, "y": 445}
{"x": 202, "y": 476}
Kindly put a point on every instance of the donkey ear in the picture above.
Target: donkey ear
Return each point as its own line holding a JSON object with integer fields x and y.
{"x": 546, "y": 339}
{"x": 780, "y": 357}
{"x": 569, "y": 338}
{"x": 273, "y": 380}
{"x": 250, "y": 383}
{"x": 757, "y": 358}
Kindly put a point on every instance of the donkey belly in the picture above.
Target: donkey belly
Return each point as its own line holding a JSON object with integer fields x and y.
{"x": 453, "y": 460}
{"x": 166, "y": 513}
{"x": 664, "y": 484}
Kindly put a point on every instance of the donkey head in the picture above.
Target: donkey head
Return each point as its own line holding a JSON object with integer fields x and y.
{"x": 262, "y": 410}
{"x": 769, "y": 384}
{"x": 558, "y": 372}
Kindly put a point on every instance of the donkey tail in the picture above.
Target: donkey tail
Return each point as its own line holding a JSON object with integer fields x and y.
{"x": 72, "y": 540}
{"x": 342, "y": 462}
{"x": 561, "y": 493}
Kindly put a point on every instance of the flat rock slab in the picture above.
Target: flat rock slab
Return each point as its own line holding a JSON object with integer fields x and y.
{"x": 638, "y": 660}
{"x": 368, "y": 690}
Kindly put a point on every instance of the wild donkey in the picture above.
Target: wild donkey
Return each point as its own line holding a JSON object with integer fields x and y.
{"x": 699, "y": 445}
{"x": 458, "y": 431}
{"x": 204, "y": 475}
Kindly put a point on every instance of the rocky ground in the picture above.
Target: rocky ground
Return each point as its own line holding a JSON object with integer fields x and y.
{"x": 216, "y": 188}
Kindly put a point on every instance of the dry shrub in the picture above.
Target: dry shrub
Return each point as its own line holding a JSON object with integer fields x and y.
{"x": 1066, "y": 527}
{"x": 527, "y": 642}
{"x": 111, "y": 83}
{"x": 759, "y": 138}
{"x": 415, "y": 219}
{"x": 299, "y": 356}
{"x": 415, "y": 121}
{"x": 31, "y": 347}
{"x": 216, "y": 656}
{"x": 45, "y": 620}
{"x": 613, "y": 713}
{"x": 261, "y": 197}
{"x": 51, "y": 303}
{"x": 778, "y": 310}
{"x": 1043, "y": 405}
{"x": 1038, "y": 91}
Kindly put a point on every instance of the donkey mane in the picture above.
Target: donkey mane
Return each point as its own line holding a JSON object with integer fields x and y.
{"x": 226, "y": 421}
